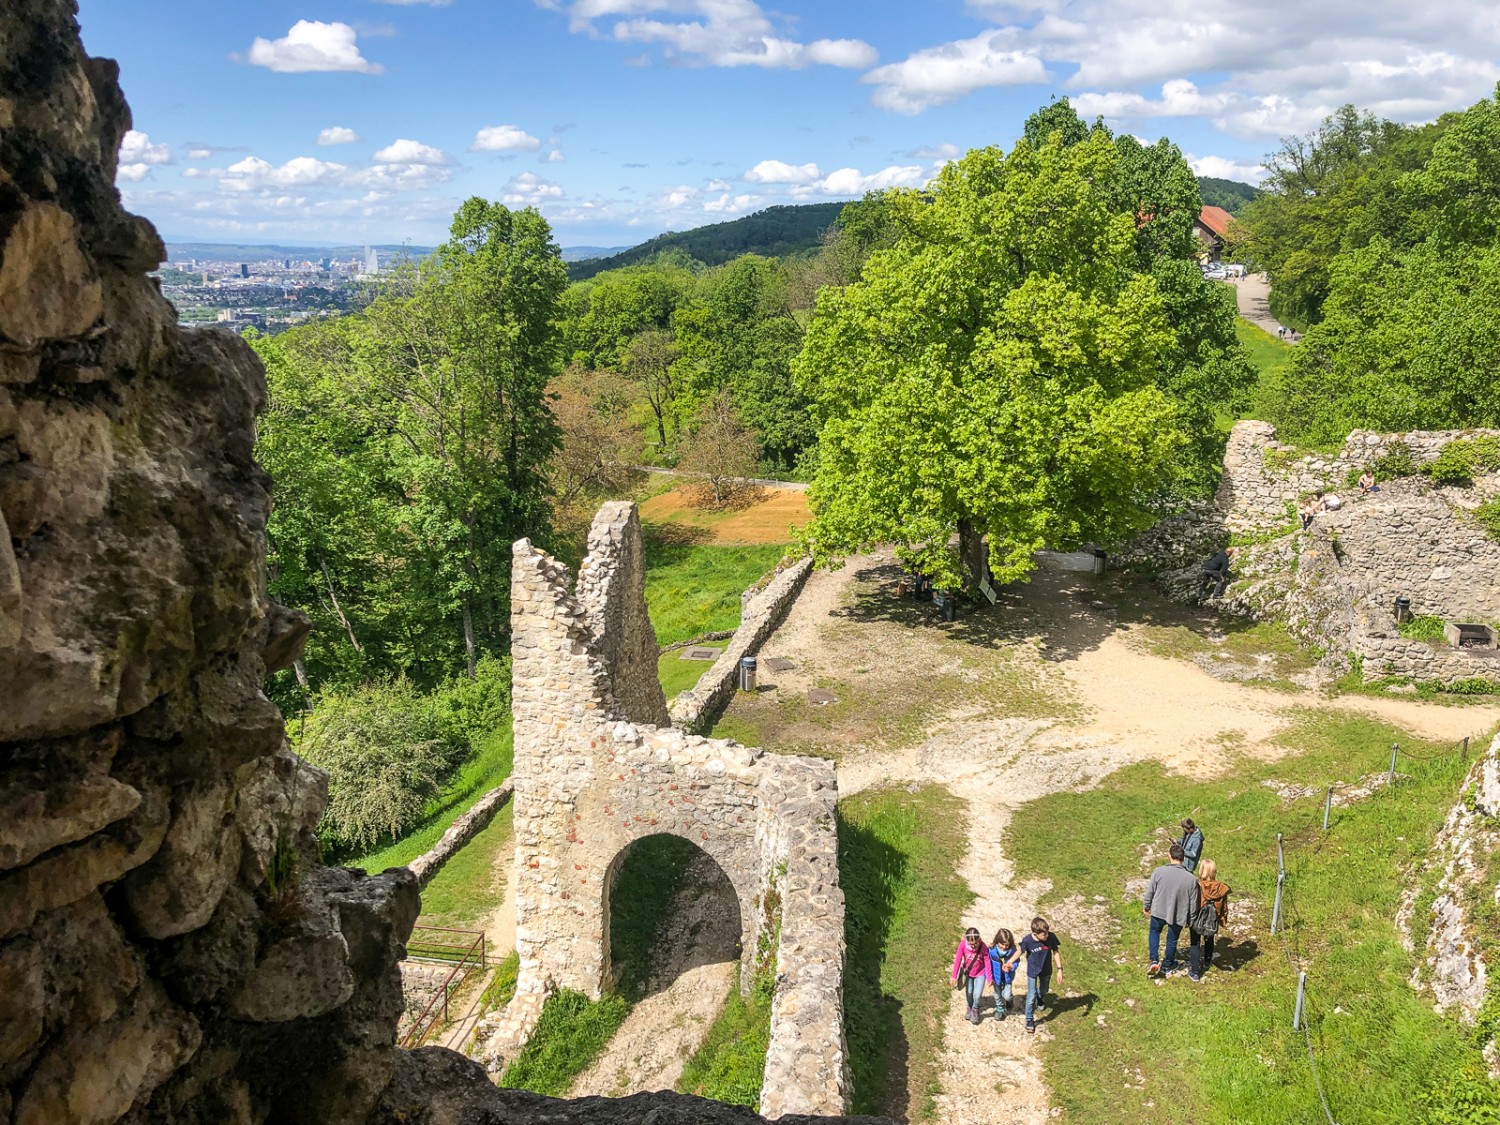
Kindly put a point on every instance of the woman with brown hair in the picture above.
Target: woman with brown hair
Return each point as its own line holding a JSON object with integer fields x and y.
{"x": 1212, "y": 913}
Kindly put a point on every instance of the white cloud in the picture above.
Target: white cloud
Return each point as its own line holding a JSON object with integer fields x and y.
{"x": 312, "y": 46}
{"x": 708, "y": 33}
{"x": 944, "y": 151}
{"x": 200, "y": 154}
{"x": 411, "y": 152}
{"x": 850, "y": 181}
{"x": 1226, "y": 169}
{"x": 529, "y": 190}
{"x": 943, "y": 74}
{"x": 728, "y": 204}
{"x": 137, "y": 148}
{"x": 554, "y": 153}
{"x": 778, "y": 172}
{"x": 134, "y": 173}
{"x": 254, "y": 174}
{"x": 338, "y": 135}
{"x": 414, "y": 3}
{"x": 504, "y": 138}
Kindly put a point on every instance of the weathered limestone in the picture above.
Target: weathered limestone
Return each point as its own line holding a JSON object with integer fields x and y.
{"x": 1335, "y": 584}
{"x": 592, "y": 778}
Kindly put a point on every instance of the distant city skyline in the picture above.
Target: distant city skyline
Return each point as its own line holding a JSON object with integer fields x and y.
{"x": 354, "y": 121}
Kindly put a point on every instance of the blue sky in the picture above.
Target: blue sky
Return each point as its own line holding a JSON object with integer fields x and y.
{"x": 369, "y": 120}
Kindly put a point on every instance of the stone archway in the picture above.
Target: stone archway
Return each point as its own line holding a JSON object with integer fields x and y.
{"x": 598, "y": 768}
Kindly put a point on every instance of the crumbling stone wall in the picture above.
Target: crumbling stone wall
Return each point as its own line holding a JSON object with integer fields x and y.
{"x": 591, "y": 779}
{"x": 1336, "y": 584}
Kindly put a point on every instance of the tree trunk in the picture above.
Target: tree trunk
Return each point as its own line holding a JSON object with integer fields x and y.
{"x": 469, "y": 650}
{"x": 301, "y": 670}
{"x": 972, "y": 556}
{"x": 338, "y": 609}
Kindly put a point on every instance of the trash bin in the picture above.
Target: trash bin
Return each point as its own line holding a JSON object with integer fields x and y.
{"x": 747, "y": 673}
{"x": 1403, "y": 610}
{"x": 1099, "y": 561}
{"x": 947, "y": 605}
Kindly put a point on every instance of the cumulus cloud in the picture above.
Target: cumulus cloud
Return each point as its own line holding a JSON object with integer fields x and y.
{"x": 338, "y": 135}
{"x": 1255, "y": 68}
{"x": 139, "y": 154}
{"x": 313, "y": 46}
{"x": 944, "y": 151}
{"x": 1226, "y": 169}
{"x": 779, "y": 172}
{"x": 943, "y": 74}
{"x": 554, "y": 152}
{"x": 529, "y": 190}
{"x": 504, "y": 138}
{"x": 708, "y": 33}
{"x": 411, "y": 152}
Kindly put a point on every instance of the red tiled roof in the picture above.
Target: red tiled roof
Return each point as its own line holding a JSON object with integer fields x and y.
{"x": 1216, "y": 219}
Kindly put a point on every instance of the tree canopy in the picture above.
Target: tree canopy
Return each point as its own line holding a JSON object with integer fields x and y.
{"x": 1013, "y": 367}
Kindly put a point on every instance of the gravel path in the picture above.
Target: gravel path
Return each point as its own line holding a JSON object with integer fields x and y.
{"x": 684, "y": 995}
{"x": 1125, "y": 704}
{"x": 1253, "y": 295}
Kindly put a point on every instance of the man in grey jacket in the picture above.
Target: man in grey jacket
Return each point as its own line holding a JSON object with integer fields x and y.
{"x": 1171, "y": 901}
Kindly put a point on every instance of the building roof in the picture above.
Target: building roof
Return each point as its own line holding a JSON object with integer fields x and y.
{"x": 1216, "y": 219}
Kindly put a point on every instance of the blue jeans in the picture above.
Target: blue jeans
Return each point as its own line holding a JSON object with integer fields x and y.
{"x": 973, "y": 990}
{"x": 1174, "y": 931}
{"x": 1036, "y": 990}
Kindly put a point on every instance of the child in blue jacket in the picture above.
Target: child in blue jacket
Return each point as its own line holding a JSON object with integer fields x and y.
{"x": 1002, "y": 949}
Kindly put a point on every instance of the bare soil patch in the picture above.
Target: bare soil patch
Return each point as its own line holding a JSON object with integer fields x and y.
{"x": 767, "y": 517}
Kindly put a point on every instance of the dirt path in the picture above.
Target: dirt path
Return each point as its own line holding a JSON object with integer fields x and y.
{"x": 1115, "y": 703}
{"x": 1253, "y": 294}
{"x": 499, "y": 942}
{"x": 684, "y": 995}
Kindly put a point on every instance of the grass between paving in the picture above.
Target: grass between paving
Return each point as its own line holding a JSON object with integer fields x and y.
{"x": 904, "y": 903}
{"x": 573, "y": 1030}
{"x": 731, "y": 1063}
{"x": 471, "y": 885}
{"x": 475, "y": 778}
{"x": 1224, "y": 1050}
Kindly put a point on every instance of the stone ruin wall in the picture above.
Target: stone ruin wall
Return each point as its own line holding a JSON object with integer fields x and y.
{"x": 1336, "y": 584}
{"x": 592, "y": 777}
{"x": 171, "y": 947}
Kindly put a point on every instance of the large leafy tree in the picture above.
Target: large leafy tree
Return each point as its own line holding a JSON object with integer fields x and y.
{"x": 1009, "y": 369}
{"x": 409, "y": 444}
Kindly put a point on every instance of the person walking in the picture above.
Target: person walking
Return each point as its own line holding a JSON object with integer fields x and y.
{"x": 1040, "y": 948}
{"x": 971, "y": 968}
{"x": 1170, "y": 902}
{"x": 1192, "y": 844}
{"x": 1002, "y": 949}
{"x": 1212, "y": 913}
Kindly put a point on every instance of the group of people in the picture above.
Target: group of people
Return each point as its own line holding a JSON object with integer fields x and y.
{"x": 1322, "y": 502}
{"x": 1185, "y": 893}
{"x": 976, "y": 964}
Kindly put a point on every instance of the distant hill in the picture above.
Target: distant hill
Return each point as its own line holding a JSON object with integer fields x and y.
{"x": 1228, "y": 194}
{"x": 776, "y": 232}
{"x": 584, "y": 253}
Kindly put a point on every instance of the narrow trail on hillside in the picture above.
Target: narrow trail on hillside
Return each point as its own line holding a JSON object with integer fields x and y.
{"x": 684, "y": 994}
{"x": 499, "y": 942}
{"x": 1122, "y": 704}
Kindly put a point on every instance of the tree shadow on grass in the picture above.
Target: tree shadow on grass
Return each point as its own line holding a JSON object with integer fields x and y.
{"x": 879, "y": 1050}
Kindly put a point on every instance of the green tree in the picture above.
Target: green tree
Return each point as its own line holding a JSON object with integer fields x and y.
{"x": 995, "y": 373}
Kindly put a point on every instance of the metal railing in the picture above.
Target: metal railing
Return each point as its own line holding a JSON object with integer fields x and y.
{"x": 463, "y": 949}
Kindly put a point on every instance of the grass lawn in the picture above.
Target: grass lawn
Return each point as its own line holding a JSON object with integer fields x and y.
{"x": 1130, "y": 1050}
{"x": 477, "y": 777}
{"x": 693, "y": 589}
{"x": 569, "y": 1035}
{"x": 471, "y": 885}
{"x": 731, "y": 1063}
{"x": 677, "y": 674}
{"x": 898, "y": 849}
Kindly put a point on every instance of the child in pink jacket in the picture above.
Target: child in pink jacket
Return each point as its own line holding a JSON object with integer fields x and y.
{"x": 971, "y": 968}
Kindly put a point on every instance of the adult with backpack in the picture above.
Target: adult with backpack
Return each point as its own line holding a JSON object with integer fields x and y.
{"x": 1212, "y": 913}
{"x": 971, "y": 968}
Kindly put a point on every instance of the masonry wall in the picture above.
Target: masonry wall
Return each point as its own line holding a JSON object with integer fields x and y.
{"x": 590, "y": 781}
{"x": 1336, "y": 583}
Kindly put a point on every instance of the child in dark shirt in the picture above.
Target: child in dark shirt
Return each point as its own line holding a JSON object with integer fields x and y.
{"x": 1040, "y": 948}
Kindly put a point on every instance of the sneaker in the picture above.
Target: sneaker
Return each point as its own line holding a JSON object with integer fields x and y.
{"x": 1195, "y": 977}
{"x": 1153, "y": 968}
{"x": 1030, "y": 1028}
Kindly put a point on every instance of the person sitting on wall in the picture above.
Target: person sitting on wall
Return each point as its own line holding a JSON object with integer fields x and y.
{"x": 1367, "y": 483}
{"x": 1215, "y": 573}
{"x": 1329, "y": 502}
{"x": 1308, "y": 510}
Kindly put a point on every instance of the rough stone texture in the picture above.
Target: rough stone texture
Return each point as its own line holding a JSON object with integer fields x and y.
{"x": 590, "y": 782}
{"x": 1451, "y": 965}
{"x": 171, "y": 948}
{"x": 762, "y": 611}
{"x": 1335, "y": 584}
{"x": 464, "y": 829}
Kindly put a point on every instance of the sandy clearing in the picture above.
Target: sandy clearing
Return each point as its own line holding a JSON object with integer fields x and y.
{"x": 768, "y": 520}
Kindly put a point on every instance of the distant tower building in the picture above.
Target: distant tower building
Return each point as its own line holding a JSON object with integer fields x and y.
{"x": 372, "y": 260}
{"x": 244, "y": 270}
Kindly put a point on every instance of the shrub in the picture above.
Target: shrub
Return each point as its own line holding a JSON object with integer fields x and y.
{"x": 469, "y": 711}
{"x": 386, "y": 755}
{"x": 1458, "y": 461}
{"x": 1423, "y": 627}
{"x": 1396, "y": 461}
{"x": 1488, "y": 515}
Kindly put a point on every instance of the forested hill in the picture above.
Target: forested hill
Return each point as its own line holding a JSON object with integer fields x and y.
{"x": 1228, "y": 194}
{"x": 776, "y": 232}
